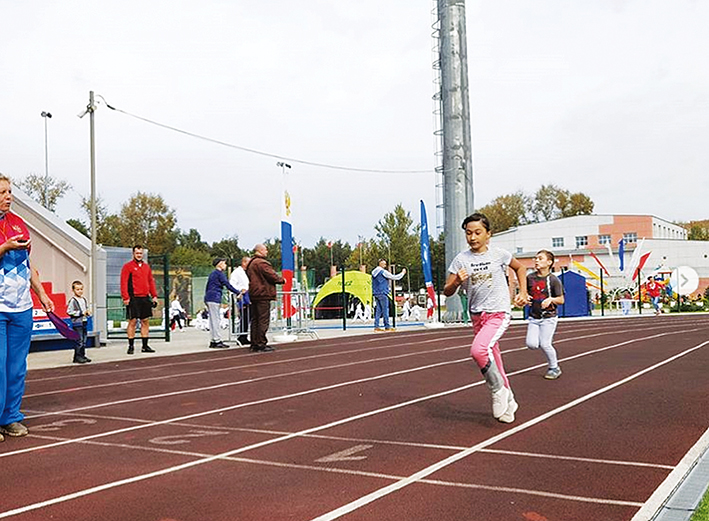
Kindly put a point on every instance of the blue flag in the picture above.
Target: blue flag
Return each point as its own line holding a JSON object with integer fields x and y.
{"x": 621, "y": 252}
{"x": 426, "y": 256}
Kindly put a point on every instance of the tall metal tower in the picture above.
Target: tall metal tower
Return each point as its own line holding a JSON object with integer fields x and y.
{"x": 456, "y": 170}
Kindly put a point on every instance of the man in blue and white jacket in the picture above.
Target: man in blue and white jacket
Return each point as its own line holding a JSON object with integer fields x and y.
{"x": 380, "y": 290}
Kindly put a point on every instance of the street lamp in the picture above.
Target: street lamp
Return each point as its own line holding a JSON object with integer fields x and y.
{"x": 46, "y": 115}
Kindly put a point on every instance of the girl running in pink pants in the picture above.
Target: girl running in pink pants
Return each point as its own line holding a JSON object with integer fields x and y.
{"x": 481, "y": 271}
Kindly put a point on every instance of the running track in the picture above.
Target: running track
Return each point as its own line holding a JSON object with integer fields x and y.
{"x": 376, "y": 427}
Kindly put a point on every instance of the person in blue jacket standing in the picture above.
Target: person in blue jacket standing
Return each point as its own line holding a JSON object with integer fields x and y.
{"x": 213, "y": 299}
{"x": 380, "y": 291}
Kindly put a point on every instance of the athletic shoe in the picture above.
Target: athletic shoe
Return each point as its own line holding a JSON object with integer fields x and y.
{"x": 500, "y": 401}
{"x": 218, "y": 345}
{"x": 378, "y": 329}
{"x": 14, "y": 429}
{"x": 390, "y": 329}
{"x": 130, "y": 351}
{"x": 512, "y": 407}
{"x": 80, "y": 360}
{"x": 2, "y": 438}
{"x": 148, "y": 349}
{"x": 553, "y": 374}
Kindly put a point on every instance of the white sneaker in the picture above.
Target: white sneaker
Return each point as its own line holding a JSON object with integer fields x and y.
{"x": 500, "y": 401}
{"x": 512, "y": 407}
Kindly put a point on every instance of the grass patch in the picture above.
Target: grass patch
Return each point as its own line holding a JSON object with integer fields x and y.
{"x": 702, "y": 511}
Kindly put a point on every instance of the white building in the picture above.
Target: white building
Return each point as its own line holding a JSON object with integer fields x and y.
{"x": 572, "y": 240}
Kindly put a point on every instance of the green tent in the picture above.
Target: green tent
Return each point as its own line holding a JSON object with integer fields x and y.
{"x": 357, "y": 283}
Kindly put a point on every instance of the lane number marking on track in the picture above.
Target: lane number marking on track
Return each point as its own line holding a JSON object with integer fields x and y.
{"x": 181, "y": 439}
{"x": 346, "y": 455}
{"x": 60, "y": 424}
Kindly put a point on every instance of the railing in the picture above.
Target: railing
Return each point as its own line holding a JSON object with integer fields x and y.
{"x": 300, "y": 321}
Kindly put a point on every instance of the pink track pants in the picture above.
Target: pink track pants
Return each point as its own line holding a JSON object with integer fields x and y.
{"x": 488, "y": 328}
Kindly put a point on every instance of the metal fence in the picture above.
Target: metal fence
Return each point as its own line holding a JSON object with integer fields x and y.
{"x": 291, "y": 313}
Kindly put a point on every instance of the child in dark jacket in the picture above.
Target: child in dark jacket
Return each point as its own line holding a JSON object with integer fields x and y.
{"x": 78, "y": 310}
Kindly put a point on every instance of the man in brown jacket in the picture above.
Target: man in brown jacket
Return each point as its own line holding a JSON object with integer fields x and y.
{"x": 262, "y": 290}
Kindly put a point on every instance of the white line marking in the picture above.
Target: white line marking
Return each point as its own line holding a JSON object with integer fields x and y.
{"x": 346, "y": 455}
{"x": 370, "y": 497}
{"x": 671, "y": 482}
{"x": 312, "y": 391}
{"x": 379, "y": 475}
{"x": 385, "y": 491}
{"x": 247, "y": 381}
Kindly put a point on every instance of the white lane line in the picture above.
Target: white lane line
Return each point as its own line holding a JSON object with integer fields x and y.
{"x": 410, "y": 444}
{"x": 366, "y": 499}
{"x": 256, "y": 402}
{"x": 316, "y": 390}
{"x": 243, "y": 355}
{"x": 370, "y": 474}
{"x": 251, "y": 366}
{"x": 413, "y": 478}
{"x": 288, "y": 361}
{"x": 247, "y": 381}
{"x": 672, "y": 482}
{"x": 452, "y": 336}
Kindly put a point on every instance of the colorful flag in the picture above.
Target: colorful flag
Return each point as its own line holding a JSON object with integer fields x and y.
{"x": 599, "y": 263}
{"x": 287, "y": 259}
{"x": 426, "y": 256}
{"x": 621, "y": 253}
{"x": 585, "y": 270}
{"x": 610, "y": 251}
{"x": 642, "y": 262}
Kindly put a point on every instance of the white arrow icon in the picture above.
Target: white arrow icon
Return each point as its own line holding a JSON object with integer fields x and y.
{"x": 346, "y": 455}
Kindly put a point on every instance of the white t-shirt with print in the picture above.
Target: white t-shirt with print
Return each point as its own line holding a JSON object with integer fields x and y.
{"x": 487, "y": 287}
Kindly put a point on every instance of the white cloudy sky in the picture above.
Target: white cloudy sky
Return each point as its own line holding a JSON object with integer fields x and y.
{"x": 609, "y": 97}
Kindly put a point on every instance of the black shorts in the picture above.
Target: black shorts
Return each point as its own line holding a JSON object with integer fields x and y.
{"x": 140, "y": 308}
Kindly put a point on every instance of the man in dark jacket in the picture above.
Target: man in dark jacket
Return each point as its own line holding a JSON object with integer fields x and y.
{"x": 262, "y": 290}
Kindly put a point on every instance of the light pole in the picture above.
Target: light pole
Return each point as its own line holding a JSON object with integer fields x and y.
{"x": 90, "y": 109}
{"x": 46, "y": 116}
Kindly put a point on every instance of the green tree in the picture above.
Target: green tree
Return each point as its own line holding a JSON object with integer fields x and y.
{"x": 188, "y": 256}
{"x": 551, "y": 202}
{"x": 79, "y": 226}
{"x": 192, "y": 239}
{"x": 507, "y": 211}
{"x": 398, "y": 242}
{"x": 697, "y": 230}
{"x": 574, "y": 204}
{"x": 46, "y": 190}
{"x": 145, "y": 219}
{"x": 228, "y": 248}
{"x": 318, "y": 258}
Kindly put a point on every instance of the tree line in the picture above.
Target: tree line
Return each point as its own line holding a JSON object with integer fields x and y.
{"x": 147, "y": 219}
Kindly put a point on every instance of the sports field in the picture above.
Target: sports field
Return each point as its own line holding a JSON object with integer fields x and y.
{"x": 388, "y": 426}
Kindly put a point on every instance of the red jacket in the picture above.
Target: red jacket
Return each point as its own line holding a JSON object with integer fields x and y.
{"x": 137, "y": 280}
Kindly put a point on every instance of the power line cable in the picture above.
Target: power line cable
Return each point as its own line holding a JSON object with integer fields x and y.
{"x": 259, "y": 152}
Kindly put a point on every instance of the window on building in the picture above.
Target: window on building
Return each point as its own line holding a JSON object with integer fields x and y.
{"x": 557, "y": 242}
{"x": 520, "y": 249}
{"x": 604, "y": 239}
{"x": 630, "y": 237}
{"x": 581, "y": 241}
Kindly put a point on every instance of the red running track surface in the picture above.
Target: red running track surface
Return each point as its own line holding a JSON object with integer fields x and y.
{"x": 394, "y": 426}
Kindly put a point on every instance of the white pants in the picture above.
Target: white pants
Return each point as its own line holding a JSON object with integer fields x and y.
{"x": 540, "y": 332}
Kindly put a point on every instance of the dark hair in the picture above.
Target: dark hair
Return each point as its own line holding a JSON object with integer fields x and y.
{"x": 549, "y": 255}
{"x": 137, "y": 247}
{"x": 76, "y": 283}
{"x": 218, "y": 260}
{"x": 477, "y": 217}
